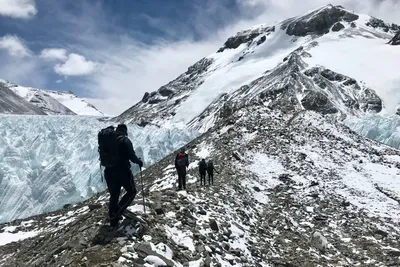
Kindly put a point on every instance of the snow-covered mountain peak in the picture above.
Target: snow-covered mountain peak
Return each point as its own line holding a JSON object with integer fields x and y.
{"x": 302, "y": 51}
{"x": 53, "y": 102}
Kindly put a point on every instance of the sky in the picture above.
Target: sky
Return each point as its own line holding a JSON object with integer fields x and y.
{"x": 110, "y": 52}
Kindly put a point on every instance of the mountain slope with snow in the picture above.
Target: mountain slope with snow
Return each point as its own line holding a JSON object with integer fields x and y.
{"x": 329, "y": 40}
{"x": 11, "y": 103}
{"x": 76, "y": 104}
{"x": 54, "y": 102}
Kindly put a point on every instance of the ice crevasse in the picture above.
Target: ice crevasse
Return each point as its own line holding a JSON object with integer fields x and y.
{"x": 49, "y": 161}
{"x": 382, "y": 128}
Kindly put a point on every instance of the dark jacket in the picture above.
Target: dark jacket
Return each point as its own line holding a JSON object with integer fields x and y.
{"x": 186, "y": 160}
{"x": 202, "y": 167}
{"x": 126, "y": 152}
{"x": 211, "y": 169}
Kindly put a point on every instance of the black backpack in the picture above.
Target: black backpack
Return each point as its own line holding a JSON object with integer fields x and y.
{"x": 108, "y": 147}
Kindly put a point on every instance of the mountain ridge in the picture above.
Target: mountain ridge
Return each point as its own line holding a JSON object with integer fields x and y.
{"x": 53, "y": 102}
{"x": 269, "y": 44}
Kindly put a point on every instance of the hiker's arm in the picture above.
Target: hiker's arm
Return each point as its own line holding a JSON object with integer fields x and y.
{"x": 187, "y": 160}
{"x": 131, "y": 152}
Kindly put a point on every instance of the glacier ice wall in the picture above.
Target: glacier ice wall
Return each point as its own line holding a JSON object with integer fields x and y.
{"x": 382, "y": 128}
{"x": 49, "y": 161}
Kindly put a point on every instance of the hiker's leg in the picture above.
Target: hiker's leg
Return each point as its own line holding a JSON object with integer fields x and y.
{"x": 212, "y": 179}
{"x": 209, "y": 178}
{"x": 179, "y": 179}
{"x": 184, "y": 179}
{"x": 114, "y": 189}
{"x": 129, "y": 185}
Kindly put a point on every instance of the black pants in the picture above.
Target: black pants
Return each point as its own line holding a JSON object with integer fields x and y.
{"x": 117, "y": 178}
{"x": 211, "y": 178}
{"x": 203, "y": 178}
{"x": 182, "y": 178}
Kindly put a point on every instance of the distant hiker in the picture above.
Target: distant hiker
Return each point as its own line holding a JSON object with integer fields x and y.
{"x": 202, "y": 170}
{"x": 181, "y": 163}
{"x": 210, "y": 172}
{"x": 116, "y": 151}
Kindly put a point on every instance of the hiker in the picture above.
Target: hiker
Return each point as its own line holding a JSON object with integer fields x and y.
{"x": 181, "y": 163}
{"x": 210, "y": 172}
{"x": 118, "y": 169}
{"x": 202, "y": 170}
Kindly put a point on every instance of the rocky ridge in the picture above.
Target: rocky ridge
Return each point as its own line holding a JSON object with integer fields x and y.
{"x": 298, "y": 37}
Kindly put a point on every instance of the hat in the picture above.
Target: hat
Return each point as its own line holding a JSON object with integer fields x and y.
{"x": 122, "y": 128}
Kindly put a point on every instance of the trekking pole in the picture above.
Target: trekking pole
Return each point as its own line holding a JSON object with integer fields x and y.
{"x": 141, "y": 178}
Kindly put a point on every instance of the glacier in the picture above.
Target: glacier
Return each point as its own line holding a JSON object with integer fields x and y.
{"x": 49, "y": 161}
{"x": 380, "y": 127}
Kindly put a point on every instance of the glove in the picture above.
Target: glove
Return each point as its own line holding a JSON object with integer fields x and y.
{"x": 140, "y": 163}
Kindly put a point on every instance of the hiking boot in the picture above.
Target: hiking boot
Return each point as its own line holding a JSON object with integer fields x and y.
{"x": 114, "y": 222}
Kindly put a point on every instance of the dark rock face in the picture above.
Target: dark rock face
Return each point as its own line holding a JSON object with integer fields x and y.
{"x": 337, "y": 27}
{"x": 164, "y": 91}
{"x": 378, "y": 23}
{"x": 319, "y": 102}
{"x": 235, "y": 41}
{"x": 370, "y": 101}
{"x": 145, "y": 97}
{"x": 318, "y": 22}
{"x": 245, "y": 37}
{"x": 398, "y": 111}
{"x": 395, "y": 40}
{"x": 262, "y": 40}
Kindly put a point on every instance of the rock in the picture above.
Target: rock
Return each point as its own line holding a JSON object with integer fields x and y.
{"x": 146, "y": 97}
{"x": 346, "y": 204}
{"x": 319, "y": 22}
{"x": 337, "y": 27}
{"x": 256, "y": 188}
{"x": 158, "y": 209}
{"x": 319, "y": 102}
{"x": 237, "y": 155}
{"x": 207, "y": 261}
{"x": 262, "y": 40}
{"x": 226, "y": 246}
{"x": 66, "y": 206}
{"x": 319, "y": 241}
{"x": 202, "y": 212}
{"x": 381, "y": 232}
{"x": 144, "y": 250}
{"x": 94, "y": 206}
{"x": 314, "y": 183}
{"x": 164, "y": 91}
{"x": 393, "y": 253}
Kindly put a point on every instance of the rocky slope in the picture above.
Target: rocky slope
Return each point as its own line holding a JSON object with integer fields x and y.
{"x": 316, "y": 56}
{"x": 53, "y": 102}
{"x": 11, "y": 103}
{"x": 281, "y": 178}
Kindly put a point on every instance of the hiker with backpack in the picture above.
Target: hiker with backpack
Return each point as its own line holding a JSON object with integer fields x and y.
{"x": 116, "y": 150}
{"x": 181, "y": 163}
{"x": 210, "y": 172}
{"x": 202, "y": 170}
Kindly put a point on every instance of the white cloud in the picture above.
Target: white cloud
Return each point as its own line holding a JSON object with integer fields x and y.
{"x": 14, "y": 45}
{"x": 54, "y": 54}
{"x": 22, "y": 9}
{"x": 76, "y": 65}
